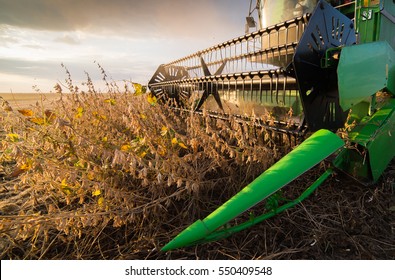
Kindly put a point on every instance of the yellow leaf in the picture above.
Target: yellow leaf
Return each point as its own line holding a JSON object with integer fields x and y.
{"x": 104, "y": 139}
{"x": 163, "y": 131}
{"x": 63, "y": 183}
{"x": 143, "y": 116}
{"x": 26, "y": 112}
{"x": 143, "y": 154}
{"x": 90, "y": 175}
{"x": 98, "y": 116}
{"x": 126, "y": 148}
{"x": 182, "y": 145}
{"x": 65, "y": 187}
{"x": 151, "y": 99}
{"x": 96, "y": 193}
{"x": 80, "y": 164}
{"x": 100, "y": 201}
{"x": 27, "y": 165}
{"x": 139, "y": 89}
{"x": 110, "y": 101}
{"x": 174, "y": 141}
{"x": 39, "y": 121}
{"x": 161, "y": 150}
{"x": 79, "y": 113}
{"x": 13, "y": 137}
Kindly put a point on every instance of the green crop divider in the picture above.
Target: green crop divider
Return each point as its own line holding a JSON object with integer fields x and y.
{"x": 313, "y": 150}
{"x": 226, "y": 232}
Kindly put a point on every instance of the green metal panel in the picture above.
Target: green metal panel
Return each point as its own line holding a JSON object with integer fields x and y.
{"x": 375, "y": 21}
{"x": 312, "y": 151}
{"x": 369, "y": 24}
{"x": 382, "y": 148}
{"x": 375, "y": 146}
{"x": 363, "y": 70}
{"x": 387, "y": 22}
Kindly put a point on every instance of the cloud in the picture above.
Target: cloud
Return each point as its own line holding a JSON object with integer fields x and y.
{"x": 125, "y": 69}
{"x": 131, "y": 37}
{"x": 5, "y": 38}
{"x": 41, "y": 14}
{"x": 33, "y": 46}
{"x": 133, "y": 17}
{"x": 7, "y": 41}
{"x": 67, "y": 39}
{"x": 27, "y": 67}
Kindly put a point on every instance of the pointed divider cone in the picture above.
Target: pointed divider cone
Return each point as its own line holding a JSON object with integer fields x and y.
{"x": 312, "y": 151}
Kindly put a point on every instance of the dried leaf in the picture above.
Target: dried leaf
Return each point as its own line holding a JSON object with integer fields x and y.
{"x": 26, "y": 112}
{"x": 51, "y": 116}
{"x": 6, "y": 106}
{"x": 100, "y": 201}
{"x": 159, "y": 178}
{"x": 16, "y": 172}
{"x": 161, "y": 150}
{"x": 164, "y": 131}
{"x": 90, "y": 175}
{"x": 39, "y": 121}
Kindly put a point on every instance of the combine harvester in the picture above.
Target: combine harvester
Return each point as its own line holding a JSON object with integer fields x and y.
{"x": 332, "y": 64}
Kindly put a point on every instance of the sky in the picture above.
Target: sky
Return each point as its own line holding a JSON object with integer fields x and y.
{"x": 128, "y": 38}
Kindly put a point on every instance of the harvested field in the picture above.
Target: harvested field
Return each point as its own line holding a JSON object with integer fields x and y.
{"x": 113, "y": 176}
{"x": 23, "y": 100}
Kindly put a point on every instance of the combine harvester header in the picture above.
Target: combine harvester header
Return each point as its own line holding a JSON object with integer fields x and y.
{"x": 332, "y": 65}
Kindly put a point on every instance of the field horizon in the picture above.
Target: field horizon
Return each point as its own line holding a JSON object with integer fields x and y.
{"x": 28, "y": 99}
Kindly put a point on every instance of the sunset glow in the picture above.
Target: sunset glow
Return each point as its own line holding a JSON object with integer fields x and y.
{"x": 128, "y": 38}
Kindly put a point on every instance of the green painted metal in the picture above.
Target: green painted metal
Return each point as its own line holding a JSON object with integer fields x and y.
{"x": 387, "y": 22}
{"x": 363, "y": 70}
{"x": 226, "y": 232}
{"x": 375, "y": 145}
{"x": 368, "y": 18}
{"x": 375, "y": 21}
{"x": 312, "y": 151}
